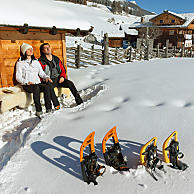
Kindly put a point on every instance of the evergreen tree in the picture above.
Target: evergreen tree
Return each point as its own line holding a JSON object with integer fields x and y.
{"x": 114, "y": 7}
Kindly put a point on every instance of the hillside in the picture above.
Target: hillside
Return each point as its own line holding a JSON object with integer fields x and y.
{"x": 132, "y": 6}
{"x": 69, "y": 15}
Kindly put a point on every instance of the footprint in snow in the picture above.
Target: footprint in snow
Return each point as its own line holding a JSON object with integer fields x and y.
{"x": 108, "y": 107}
{"x": 182, "y": 103}
{"x": 143, "y": 185}
{"x": 121, "y": 99}
{"x": 27, "y": 189}
{"x": 150, "y": 103}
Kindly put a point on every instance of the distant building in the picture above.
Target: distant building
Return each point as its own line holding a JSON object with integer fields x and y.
{"x": 177, "y": 28}
{"x": 126, "y": 35}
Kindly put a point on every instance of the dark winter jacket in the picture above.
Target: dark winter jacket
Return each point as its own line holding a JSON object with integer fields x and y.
{"x": 49, "y": 67}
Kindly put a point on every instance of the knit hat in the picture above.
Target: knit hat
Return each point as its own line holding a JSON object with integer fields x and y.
{"x": 25, "y": 47}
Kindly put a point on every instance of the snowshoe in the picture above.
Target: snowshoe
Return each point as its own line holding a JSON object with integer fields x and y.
{"x": 113, "y": 155}
{"x": 149, "y": 157}
{"x": 89, "y": 166}
{"x": 171, "y": 152}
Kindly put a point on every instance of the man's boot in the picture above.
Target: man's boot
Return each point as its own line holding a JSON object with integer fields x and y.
{"x": 78, "y": 99}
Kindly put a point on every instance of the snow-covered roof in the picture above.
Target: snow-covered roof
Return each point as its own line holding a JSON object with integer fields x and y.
{"x": 126, "y": 30}
{"x": 134, "y": 2}
{"x": 44, "y": 13}
{"x": 170, "y": 12}
{"x": 187, "y": 17}
{"x": 66, "y": 15}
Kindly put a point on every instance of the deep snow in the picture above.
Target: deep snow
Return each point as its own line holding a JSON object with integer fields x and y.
{"x": 143, "y": 99}
{"x": 49, "y": 13}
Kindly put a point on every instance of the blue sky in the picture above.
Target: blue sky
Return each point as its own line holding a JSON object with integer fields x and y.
{"x": 178, "y": 6}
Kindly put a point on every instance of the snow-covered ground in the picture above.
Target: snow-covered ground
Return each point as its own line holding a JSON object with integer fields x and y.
{"x": 143, "y": 99}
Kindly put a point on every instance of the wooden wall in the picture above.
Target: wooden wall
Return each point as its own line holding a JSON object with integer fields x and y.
{"x": 191, "y": 26}
{"x": 167, "y": 20}
{"x": 10, "y": 42}
{"x": 115, "y": 42}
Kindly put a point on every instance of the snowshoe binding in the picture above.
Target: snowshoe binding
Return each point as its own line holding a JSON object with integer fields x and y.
{"x": 89, "y": 165}
{"x": 113, "y": 155}
{"x": 149, "y": 158}
{"x": 171, "y": 152}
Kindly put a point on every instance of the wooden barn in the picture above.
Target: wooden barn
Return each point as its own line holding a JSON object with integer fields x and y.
{"x": 177, "y": 28}
{"x": 11, "y": 38}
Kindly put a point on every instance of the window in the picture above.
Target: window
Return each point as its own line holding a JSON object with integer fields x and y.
{"x": 173, "y": 21}
{"x": 161, "y": 21}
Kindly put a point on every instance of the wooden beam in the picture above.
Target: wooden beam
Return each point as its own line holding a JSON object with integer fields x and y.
{"x": 64, "y": 54}
{"x": 16, "y": 35}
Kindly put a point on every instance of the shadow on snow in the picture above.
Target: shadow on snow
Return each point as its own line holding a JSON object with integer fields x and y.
{"x": 69, "y": 160}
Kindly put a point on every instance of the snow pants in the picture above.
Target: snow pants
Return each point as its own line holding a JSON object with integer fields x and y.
{"x": 36, "y": 89}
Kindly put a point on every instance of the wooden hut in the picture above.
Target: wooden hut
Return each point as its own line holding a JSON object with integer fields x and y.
{"x": 11, "y": 38}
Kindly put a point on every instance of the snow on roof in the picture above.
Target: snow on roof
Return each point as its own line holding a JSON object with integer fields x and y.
{"x": 48, "y": 13}
{"x": 188, "y": 17}
{"x": 134, "y": 2}
{"x": 126, "y": 30}
{"x": 44, "y": 13}
{"x": 175, "y": 14}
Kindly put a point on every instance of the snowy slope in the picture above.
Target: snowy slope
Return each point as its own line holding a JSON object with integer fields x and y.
{"x": 50, "y": 13}
{"x": 143, "y": 99}
{"x": 46, "y": 13}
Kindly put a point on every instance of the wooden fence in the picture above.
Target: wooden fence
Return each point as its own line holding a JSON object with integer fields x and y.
{"x": 82, "y": 57}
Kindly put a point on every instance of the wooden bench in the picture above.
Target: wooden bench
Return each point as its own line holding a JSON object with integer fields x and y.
{"x": 16, "y": 97}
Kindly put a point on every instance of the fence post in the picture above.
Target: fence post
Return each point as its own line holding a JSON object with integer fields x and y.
{"x": 105, "y": 52}
{"x": 135, "y": 54}
{"x": 191, "y": 52}
{"x": 92, "y": 51}
{"x": 77, "y": 56}
{"x": 183, "y": 51}
{"x": 125, "y": 53}
{"x": 166, "y": 51}
{"x": 116, "y": 53}
{"x": 158, "y": 50}
{"x": 147, "y": 51}
{"x": 174, "y": 54}
{"x": 130, "y": 54}
{"x": 141, "y": 53}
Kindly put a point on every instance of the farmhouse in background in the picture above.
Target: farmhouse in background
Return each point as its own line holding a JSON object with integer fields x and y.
{"x": 177, "y": 28}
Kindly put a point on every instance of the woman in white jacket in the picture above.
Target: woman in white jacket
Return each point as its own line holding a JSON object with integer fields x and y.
{"x": 28, "y": 73}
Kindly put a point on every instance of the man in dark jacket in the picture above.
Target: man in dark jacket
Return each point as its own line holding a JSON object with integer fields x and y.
{"x": 54, "y": 68}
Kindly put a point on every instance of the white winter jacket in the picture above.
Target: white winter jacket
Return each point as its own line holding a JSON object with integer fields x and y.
{"x": 29, "y": 71}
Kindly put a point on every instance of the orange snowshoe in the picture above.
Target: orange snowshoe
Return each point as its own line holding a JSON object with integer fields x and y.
{"x": 113, "y": 155}
{"x": 171, "y": 152}
{"x": 89, "y": 166}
